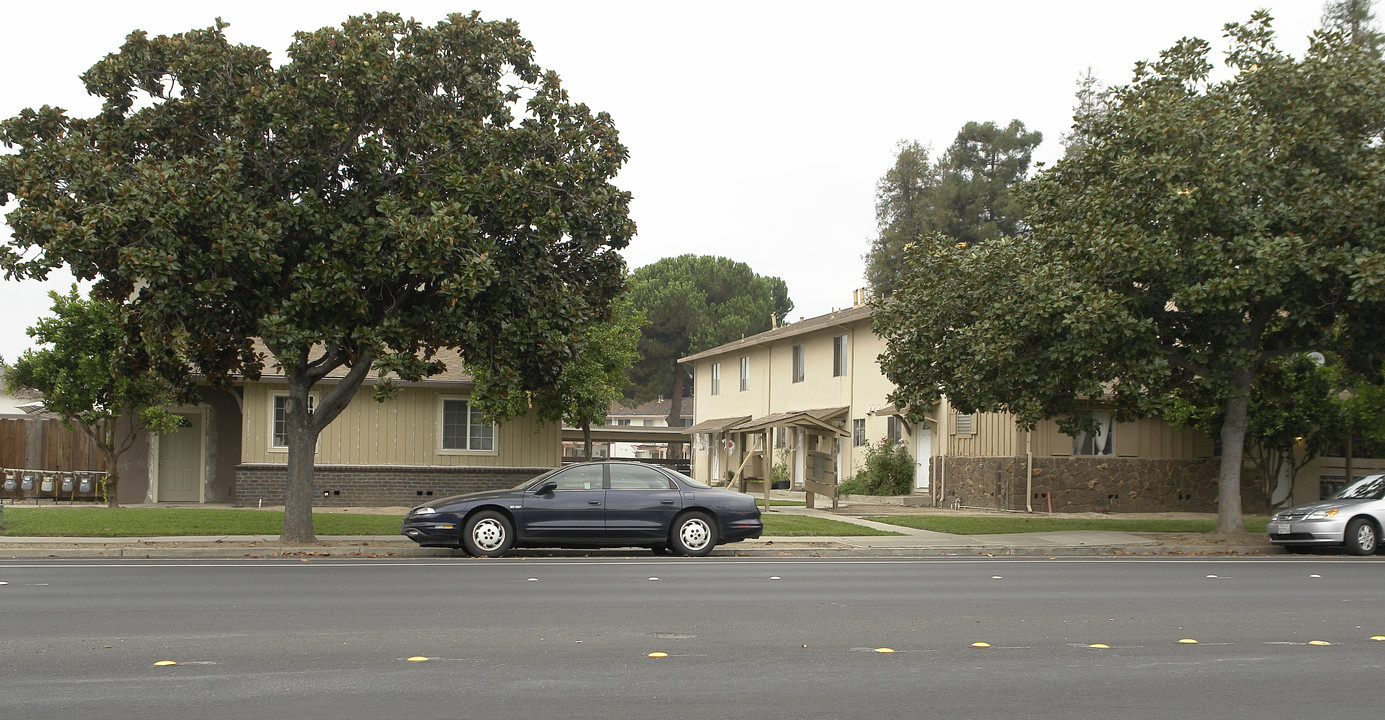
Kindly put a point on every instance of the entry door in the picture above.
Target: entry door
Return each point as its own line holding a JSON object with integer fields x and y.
{"x": 923, "y": 453}
{"x": 180, "y": 462}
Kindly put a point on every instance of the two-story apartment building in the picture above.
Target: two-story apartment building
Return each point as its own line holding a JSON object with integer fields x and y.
{"x": 821, "y": 376}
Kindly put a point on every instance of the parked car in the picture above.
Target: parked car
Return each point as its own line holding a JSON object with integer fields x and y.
{"x": 1352, "y": 518}
{"x": 591, "y": 504}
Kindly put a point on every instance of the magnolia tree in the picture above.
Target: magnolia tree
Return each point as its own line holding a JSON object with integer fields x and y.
{"x": 1206, "y": 229}
{"x": 390, "y": 190}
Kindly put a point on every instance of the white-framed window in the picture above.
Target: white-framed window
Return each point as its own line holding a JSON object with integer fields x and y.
{"x": 894, "y": 428}
{"x": 858, "y": 432}
{"x": 1100, "y": 442}
{"x": 839, "y": 356}
{"x": 716, "y": 378}
{"x": 279, "y": 420}
{"x": 463, "y": 429}
{"x": 745, "y": 373}
{"x": 798, "y": 363}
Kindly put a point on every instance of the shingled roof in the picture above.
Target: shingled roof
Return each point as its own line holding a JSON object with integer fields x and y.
{"x": 802, "y": 327}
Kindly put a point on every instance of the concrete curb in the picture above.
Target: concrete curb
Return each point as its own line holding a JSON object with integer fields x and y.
{"x": 774, "y": 549}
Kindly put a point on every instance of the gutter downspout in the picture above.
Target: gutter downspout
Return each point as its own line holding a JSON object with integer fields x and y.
{"x": 943, "y": 446}
{"x": 1028, "y": 470}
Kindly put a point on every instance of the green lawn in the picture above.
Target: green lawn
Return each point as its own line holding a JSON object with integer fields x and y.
{"x": 783, "y": 525}
{"x": 997, "y": 524}
{"x": 138, "y": 522}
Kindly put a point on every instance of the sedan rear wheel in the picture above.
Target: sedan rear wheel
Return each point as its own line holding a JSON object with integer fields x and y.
{"x": 693, "y": 534}
{"x": 1362, "y": 537}
{"x": 488, "y": 534}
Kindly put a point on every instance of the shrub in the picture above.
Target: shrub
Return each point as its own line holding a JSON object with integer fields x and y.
{"x": 889, "y": 470}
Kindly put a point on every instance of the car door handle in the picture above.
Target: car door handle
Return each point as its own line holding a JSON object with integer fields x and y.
{"x": 593, "y": 502}
{"x": 665, "y": 502}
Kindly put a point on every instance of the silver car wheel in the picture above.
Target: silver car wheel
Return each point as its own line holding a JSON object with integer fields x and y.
{"x": 695, "y": 533}
{"x": 488, "y": 534}
{"x": 1361, "y": 537}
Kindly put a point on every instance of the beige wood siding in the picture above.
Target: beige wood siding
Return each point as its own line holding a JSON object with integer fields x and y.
{"x": 992, "y": 435}
{"x": 1144, "y": 438}
{"x": 400, "y": 431}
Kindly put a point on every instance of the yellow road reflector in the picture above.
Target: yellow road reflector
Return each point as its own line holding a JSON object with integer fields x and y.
{"x": 981, "y": 644}
{"x": 1378, "y": 638}
{"x": 1188, "y": 641}
{"x": 658, "y": 654}
{"x": 418, "y": 658}
{"x": 1319, "y": 642}
{"x": 1099, "y": 646}
{"x": 163, "y": 663}
{"x": 884, "y": 650}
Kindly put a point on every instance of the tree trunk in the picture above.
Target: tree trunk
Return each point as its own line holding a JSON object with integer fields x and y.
{"x": 1233, "y": 441}
{"x": 302, "y": 442}
{"x": 586, "y": 439}
{"x": 304, "y": 423}
{"x": 675, "y": 411}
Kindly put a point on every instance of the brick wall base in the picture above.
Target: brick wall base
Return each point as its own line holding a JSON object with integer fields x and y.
{"x": 383, "y": 485}
{"x": 1094, "y": 484}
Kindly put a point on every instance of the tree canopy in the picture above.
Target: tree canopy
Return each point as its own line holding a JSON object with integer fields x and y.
{"x": 390, "y": 190}
{"x": 1356, "y": 20}
{"x": 966, "y": 195}
{"x": 82, "y": 367}
{"x": 1206, "y": 229}
{"x": 692, "y": 303}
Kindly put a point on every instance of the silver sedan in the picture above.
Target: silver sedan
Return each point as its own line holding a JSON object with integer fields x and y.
{"x": 1352, "y": 518}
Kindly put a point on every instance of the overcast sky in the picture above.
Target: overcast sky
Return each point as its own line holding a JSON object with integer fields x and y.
{"x": 757, "y": 130}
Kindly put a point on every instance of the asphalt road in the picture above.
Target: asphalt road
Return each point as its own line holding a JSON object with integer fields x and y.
{"x": 683, "y": 638}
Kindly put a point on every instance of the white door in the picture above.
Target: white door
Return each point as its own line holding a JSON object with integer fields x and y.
{"x": 180, "y": 462}
{"x": 923, "y": 453}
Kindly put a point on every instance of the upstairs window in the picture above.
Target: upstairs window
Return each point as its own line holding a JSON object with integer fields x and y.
{"x": 745, "y": 373}
{"x": 839, "y": 356}
{"x": 798, "y": 363}
{"x": 716, "y": 378}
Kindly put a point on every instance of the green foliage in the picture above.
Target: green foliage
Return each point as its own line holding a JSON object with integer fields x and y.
{"x": 390, "y": 190}
{"x": 90, "y": 379}
{"x": 965, "y": 195}
{"x": 1355, "y": 20}
{"x": 888, "y": 470}
{"x": 1206, "y": 229}
{"x": 601, "y": 371}
{"x": 696, "y": 302}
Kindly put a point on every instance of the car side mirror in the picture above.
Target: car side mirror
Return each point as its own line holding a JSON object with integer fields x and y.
{"x": 546, "y": 488}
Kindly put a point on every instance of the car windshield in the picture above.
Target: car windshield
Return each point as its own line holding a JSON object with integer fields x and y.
{"x": 1371, "y": 487}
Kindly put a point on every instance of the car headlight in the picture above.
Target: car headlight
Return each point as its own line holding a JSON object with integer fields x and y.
{"x": 425, "y": 510}
{"x": 1322, "y": 514}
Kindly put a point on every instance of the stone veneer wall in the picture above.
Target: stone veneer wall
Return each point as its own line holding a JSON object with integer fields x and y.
{"x": 383, "y": 485}
{"x": 1094, "y": 484}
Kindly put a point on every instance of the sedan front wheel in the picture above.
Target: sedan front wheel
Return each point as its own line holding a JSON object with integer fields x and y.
{"x": 1362, "y": 537}
{"x": 488, "y": 534}
{"x": 693, "y": 534}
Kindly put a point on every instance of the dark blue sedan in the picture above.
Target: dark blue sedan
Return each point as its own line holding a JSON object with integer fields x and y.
{"x": 592, "y": 504}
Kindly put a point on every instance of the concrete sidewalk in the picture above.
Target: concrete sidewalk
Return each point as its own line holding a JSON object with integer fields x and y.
{"x": 907, "y": 543}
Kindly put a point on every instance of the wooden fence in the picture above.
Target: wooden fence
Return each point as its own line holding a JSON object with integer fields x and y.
{"x": 37, "y": 443}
